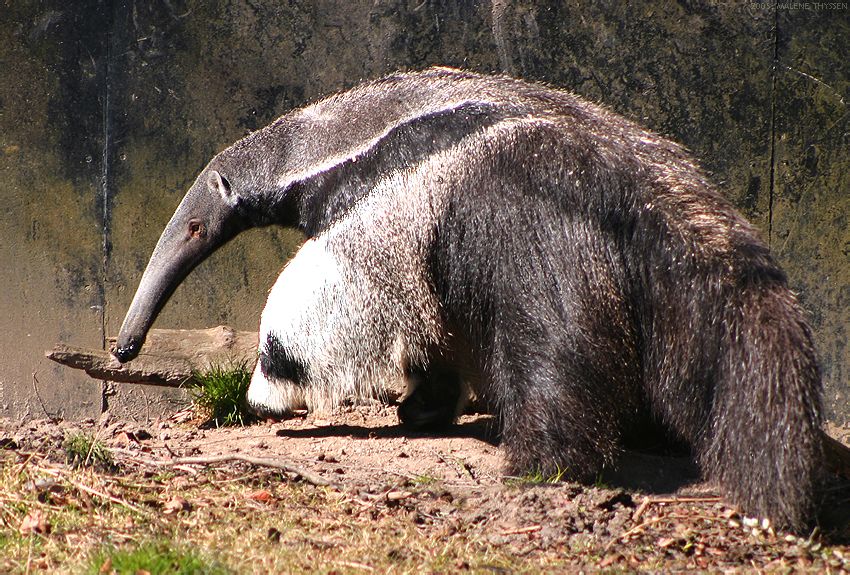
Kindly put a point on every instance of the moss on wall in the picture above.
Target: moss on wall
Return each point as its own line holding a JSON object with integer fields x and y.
{"x": 811, "y": 205}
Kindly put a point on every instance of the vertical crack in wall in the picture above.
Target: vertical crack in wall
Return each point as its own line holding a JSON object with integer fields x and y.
{"x": 773, "y": 79}
{"x": 105, "y": 186}
{"x": 497, "y": 12}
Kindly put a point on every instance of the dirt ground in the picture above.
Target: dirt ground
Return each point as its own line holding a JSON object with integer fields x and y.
{"x": 650, "y": 514}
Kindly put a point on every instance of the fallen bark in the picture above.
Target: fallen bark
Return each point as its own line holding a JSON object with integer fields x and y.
{"x": 308, "y": 476}
{"x": 168, "y": 358}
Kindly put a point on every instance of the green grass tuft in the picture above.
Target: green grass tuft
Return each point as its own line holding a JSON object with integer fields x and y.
{"x": 154, "y": 558}
{"x": 425, "y": 480}
{"x": 600, "y": 483}
{"x": 83, "y": 449}
{"x": 537, "y": 478}
{"x": 220, "y": 393}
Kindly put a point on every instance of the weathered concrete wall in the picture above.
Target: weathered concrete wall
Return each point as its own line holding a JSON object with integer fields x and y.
{"x": 109, "y": 109}
{"x": 51, "y": 143}
{"x": 810, "y": 224}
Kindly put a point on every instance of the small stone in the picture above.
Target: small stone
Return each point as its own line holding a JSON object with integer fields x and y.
{"x": 8, "y": 443}
{"x": 665, "y": 542}
{"x": 398, "y": 495}
{"x": 142, "y": 434}
{"x": 175, "y": 505}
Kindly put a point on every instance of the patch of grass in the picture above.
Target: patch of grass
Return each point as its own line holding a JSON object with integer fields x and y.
{"x": 45, "y": 520}
{"x": 163, "y": 476}
{"x": 154, "y": 557}
{"x": 600, "y": 483}
{"x": 83, "y": 449}
{"x": 537, "y": 477}
{"x": 425, "y": 480}
{"x": 220, "y": 391}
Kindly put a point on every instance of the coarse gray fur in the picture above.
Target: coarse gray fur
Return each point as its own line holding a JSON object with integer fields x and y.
{"x": 581, "y": 267}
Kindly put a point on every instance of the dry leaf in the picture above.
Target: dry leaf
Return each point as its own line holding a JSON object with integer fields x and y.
{"x": 261, "y": 495}
{"x": 175, "y": 505}
{"x": 34, "y": 522}
{"x": 180, "y": 482}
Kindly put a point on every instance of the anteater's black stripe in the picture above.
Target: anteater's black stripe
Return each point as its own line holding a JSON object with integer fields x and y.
{"x": 278, "y": 362}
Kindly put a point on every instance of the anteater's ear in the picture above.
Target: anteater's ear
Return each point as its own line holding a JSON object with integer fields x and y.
{"x": 218, "y": 183}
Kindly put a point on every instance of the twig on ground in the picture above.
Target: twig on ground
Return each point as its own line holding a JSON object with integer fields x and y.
{"x": 95, "y": 492}
{"x": 657, "y": 519}
{"x": 35, "y": 384}
{"x": 647, "y": 501}
{"x": 30, "y": 456}
{"x": 355, "y": 565}
{"x": 703, "y": 499}
{"x": 633, "y": 530}
{"x": 179, "y": 462}
{"x": 522, "y": 530}
{"x": 641, "y": 508}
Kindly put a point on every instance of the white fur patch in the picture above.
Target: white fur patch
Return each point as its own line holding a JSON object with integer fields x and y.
{"x": 303, "y": 312}
{"x": 274, "y": 397}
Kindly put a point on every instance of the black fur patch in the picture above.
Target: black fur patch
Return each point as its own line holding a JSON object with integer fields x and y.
{"x": 277, "y": 362}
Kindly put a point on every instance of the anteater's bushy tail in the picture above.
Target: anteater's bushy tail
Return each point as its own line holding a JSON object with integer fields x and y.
{"x": 762, "y": 443}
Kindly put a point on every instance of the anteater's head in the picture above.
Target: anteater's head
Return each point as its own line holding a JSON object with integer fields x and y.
{"x": 212, "y": 212}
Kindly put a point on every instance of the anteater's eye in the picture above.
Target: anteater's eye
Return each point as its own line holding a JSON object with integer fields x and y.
{"x": 197, "y": 229}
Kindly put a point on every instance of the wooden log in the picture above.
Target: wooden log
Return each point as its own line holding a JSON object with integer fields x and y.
{"x": 168, "y": 358}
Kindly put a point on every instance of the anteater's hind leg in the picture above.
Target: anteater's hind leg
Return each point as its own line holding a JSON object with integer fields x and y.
{"x": 551, "y": 429}
{"x": 561, "y": 409}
